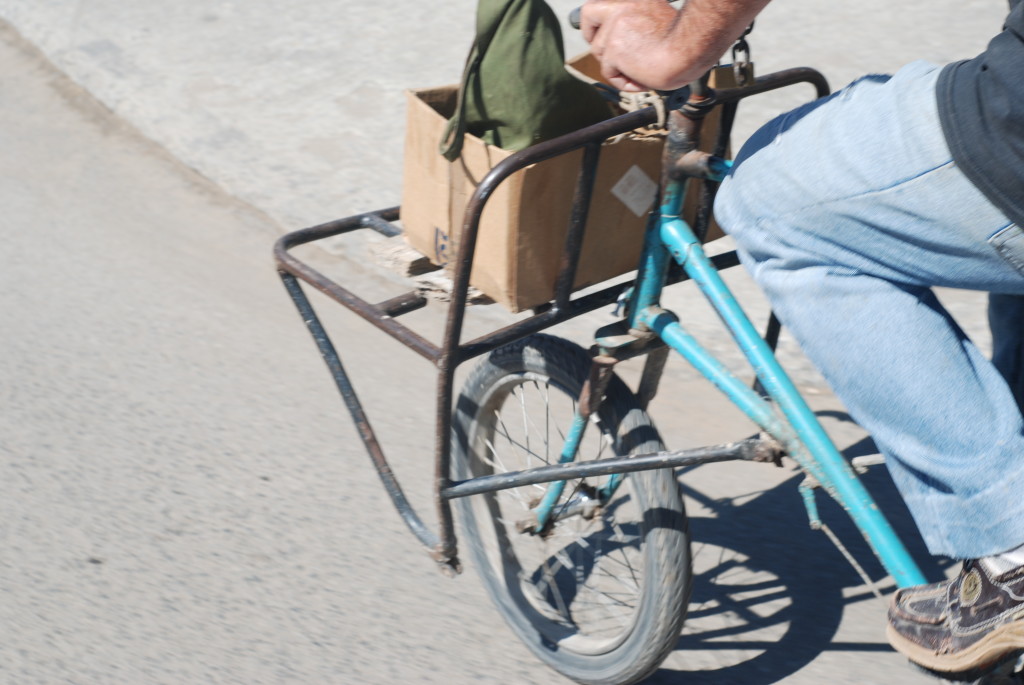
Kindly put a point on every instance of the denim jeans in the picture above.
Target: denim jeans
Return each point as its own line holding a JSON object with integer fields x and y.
{"x": 847, "y": 211}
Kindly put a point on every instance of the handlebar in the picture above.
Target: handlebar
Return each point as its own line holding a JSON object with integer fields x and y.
{"x": 574, "y": 18}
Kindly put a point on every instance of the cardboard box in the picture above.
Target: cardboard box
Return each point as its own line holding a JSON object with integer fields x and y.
{"x": 524, "y": 223}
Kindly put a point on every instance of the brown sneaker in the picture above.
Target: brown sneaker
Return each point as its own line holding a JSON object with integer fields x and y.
{"x": 959, "y": 626}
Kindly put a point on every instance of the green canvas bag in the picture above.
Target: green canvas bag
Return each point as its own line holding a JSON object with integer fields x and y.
{"x": 515, "y": 90}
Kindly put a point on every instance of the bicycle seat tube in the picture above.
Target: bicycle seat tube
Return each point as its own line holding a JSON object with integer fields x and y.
{"x": 681, "y": 160}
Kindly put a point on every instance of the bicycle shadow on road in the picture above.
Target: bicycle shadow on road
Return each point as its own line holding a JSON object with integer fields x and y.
{"x": 769, "y": 593}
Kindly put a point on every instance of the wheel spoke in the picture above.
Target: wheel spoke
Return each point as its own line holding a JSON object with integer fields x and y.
{"x": 523, "y": 447}
{"x": 552, "y": 587}
{"x": 526, "y": 429}
{"x": 547, "y": 422}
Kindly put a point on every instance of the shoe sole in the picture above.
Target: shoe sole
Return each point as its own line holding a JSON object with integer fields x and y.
{"x": 988, "y": 651}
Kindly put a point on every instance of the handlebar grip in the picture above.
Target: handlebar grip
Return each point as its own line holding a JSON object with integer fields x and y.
{"x": 574, "y": 18}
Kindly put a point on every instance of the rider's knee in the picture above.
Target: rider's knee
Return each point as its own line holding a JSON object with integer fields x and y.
{"x": 733, "y": 210}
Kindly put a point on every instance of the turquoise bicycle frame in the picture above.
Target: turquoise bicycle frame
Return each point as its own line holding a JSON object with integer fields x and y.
{"x": 784, "y": 415}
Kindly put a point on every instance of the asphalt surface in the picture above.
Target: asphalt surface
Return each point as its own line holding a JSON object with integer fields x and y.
{"x": 183, "y": 500}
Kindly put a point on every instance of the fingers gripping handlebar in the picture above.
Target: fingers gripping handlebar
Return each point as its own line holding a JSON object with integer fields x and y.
{"x": 674, "y": 99}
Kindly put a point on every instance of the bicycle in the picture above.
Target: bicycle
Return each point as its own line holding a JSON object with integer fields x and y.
{"x": 587, "y": 555}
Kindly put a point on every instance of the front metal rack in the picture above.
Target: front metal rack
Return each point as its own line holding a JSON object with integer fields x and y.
{"x": 448, "y": 356}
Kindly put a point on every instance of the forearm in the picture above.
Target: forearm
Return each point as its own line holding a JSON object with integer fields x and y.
{"x": 646, "y": 43}
{"x": 703, "y": 32}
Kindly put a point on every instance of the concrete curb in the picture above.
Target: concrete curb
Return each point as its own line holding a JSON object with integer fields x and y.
{"x": 298, "y": 109}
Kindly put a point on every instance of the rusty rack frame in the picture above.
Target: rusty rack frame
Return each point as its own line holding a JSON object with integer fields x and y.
{"x": 452, "y": 352}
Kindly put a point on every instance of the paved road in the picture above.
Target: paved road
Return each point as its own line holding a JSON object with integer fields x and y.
{"x": 178, "y": 500}
{"x": 182, "y": 500}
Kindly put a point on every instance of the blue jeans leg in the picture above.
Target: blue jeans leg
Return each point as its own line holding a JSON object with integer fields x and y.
{"x": 847, "y": 212}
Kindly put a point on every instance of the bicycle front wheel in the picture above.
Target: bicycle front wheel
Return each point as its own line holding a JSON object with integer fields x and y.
{"x": 600, "y": 593}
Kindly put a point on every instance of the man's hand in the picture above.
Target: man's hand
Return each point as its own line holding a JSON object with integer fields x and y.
{"x": 646, "y": 44}
{"x": 631, "y": 39}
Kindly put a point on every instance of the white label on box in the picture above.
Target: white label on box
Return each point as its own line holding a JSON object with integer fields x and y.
{"x": 636, "y": 190}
